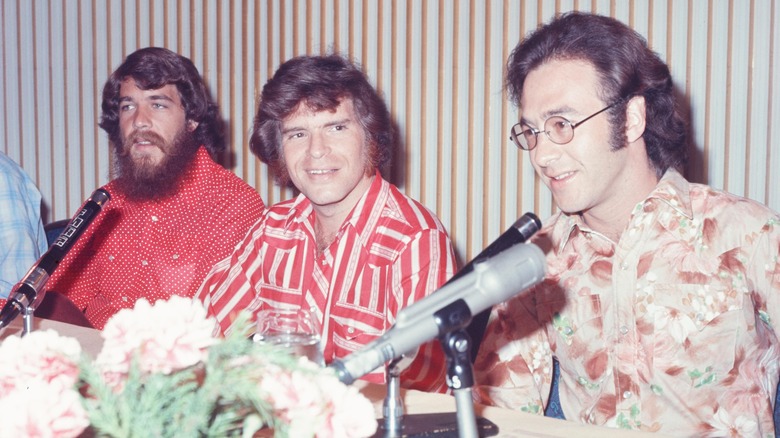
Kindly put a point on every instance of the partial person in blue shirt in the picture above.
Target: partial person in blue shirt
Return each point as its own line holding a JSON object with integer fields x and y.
{"x": 22, "y": 239}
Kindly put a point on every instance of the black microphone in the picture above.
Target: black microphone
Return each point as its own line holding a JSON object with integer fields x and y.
{"x": 490, "y": 281}
{"x": 27, "y": 292}
{"x": 519, "y": 232}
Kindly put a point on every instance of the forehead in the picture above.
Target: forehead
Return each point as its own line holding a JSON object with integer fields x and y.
{"x": 129, "y": 89}
{"x": 305, "y": 113}
{"x": 559, "y": 84}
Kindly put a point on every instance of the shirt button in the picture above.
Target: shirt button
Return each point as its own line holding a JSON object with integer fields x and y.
{"x": 568, "y": 330}
{"x": 627, "y": 394}
{"x": 350, "y": 330}
{"x": 110, "y": 258}
{"x": 624, "y": 266}
{"x": 155, "y": 219}
{"x": 176, "y": 257}
{"x": 144, "y": 262}
{"x": 125, "y": 299}
{"x": 623, "y": 330}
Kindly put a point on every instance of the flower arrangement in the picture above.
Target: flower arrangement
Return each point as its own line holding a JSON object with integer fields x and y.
{"x": 162, "y": 373}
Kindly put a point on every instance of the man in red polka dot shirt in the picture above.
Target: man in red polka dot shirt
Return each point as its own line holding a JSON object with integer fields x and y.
{"x": 174, "y": 212}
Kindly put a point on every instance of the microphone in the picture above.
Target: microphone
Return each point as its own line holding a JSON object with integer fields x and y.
{"x": 519, "y": 232}
{"x": 491, "y": 280}
{"x": 27, "y": 292}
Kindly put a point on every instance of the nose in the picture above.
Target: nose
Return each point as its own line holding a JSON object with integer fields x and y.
{"x": 546, "y": 151}
{"x": 141, "y": 118}
{"x": 318, "y": 146}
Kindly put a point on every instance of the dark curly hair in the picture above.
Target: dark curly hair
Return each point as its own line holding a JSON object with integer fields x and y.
{"x": 626, "y": 67}
{"x": 320, "y": 83}
{"x": 155, "y": 67}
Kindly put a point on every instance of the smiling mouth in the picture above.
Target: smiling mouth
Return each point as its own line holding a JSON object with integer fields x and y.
{"x": 320, "y": 171}
{"x": 562, "y": 176}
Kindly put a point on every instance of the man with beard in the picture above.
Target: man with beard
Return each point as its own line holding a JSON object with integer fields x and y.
{"x": 174, "y": 212}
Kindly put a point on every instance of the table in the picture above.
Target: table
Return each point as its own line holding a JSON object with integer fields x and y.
{"x": 510, "y": 423}
{"x": 90, "y": 339}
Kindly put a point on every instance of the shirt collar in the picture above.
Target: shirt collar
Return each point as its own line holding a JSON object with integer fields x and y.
{"x": 362, "y": 218}
{"x": 672, "y": 190}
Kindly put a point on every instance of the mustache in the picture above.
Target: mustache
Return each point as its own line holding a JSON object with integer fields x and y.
{"x": 152, "y": 137}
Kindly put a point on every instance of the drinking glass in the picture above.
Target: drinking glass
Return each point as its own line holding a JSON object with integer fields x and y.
{"x": 294, "y": 329}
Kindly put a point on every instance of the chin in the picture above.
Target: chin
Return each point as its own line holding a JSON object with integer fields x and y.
{"x": 146, "y": 162}
{"x": 568, "y": 208}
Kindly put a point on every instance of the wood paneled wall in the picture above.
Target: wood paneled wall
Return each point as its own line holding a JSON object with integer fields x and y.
{"x": 439, "y": 64}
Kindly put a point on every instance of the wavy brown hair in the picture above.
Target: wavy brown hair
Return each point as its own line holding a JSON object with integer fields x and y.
{"x": 626, "y": 67}
{"x": 320, "y": 83}
{"x": 155, "y": 67}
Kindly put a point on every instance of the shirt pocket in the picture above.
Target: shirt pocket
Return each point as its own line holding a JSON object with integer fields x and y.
{"x": 353, "y": 328}
{"x": 695, "y": 329}
{"x": 576, "y": 336}
{"x": 571, "y": 319}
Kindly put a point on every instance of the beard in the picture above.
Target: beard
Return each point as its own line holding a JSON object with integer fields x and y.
{"x": 141, "y": 179}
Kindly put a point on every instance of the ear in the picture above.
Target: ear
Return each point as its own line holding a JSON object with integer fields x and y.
{"x": 635, "y": 118}
{"x": 191, "y": 125}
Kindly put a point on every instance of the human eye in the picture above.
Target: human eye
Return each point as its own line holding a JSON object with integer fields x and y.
{"x": 557, "y": 124}
{"x": 294, "y": 135}
{"x": 125, "y": 107}
{"x": 158, "y": 105}
{"x": 529, "y": 133}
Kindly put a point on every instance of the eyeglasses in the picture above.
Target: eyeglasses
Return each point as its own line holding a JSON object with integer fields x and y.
{"x": 558, "y": 129}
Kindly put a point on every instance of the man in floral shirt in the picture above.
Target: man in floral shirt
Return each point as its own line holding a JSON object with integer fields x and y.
{"x": 661, "y": 297}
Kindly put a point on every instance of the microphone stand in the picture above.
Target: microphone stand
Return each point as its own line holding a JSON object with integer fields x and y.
{"x": 33, "y": 282}
{"x": 393, "y": 407}
{"x": 27, "y": 319}
{"x": 460, "y": 378}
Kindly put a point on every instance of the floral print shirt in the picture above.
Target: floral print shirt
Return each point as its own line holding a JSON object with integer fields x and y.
{"x": 670, "y": 329}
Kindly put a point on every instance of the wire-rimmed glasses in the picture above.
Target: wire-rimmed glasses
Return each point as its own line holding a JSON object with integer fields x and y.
{"x": 558, "y": 129}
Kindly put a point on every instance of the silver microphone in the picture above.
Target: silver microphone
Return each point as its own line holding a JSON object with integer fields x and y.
{"x": 492, "y": 281}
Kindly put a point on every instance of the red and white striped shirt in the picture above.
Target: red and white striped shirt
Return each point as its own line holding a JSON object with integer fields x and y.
{"x": 390, "y": 252}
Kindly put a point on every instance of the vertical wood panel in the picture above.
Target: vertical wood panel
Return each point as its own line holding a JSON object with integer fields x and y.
{"x": 438, "y": 63}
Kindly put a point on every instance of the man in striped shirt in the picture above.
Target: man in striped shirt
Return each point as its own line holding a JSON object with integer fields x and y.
{"x": 350, "y": 247}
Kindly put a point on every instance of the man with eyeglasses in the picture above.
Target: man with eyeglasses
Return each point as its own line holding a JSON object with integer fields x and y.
{"x": 661, "y": 297}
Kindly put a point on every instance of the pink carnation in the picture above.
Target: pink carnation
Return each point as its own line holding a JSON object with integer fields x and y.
{"x": 41, "y": 355}
{"x": 165, "y": 337}
{"x": 317, "y": 404}
{"x": 42, "y": 410}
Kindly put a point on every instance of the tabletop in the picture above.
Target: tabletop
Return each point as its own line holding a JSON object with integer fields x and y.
{"x": 510, "y": 423}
